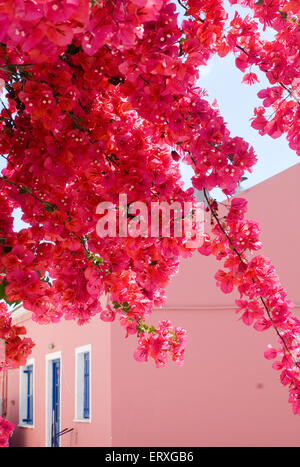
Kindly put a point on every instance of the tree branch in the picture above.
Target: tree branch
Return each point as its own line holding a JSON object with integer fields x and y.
{"x": 215, "y": 216}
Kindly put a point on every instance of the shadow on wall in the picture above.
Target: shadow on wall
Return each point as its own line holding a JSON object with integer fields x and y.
{"x": 18, "y": 439}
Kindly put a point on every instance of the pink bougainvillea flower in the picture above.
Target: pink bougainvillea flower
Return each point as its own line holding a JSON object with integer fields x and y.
{"x": 250, "y": 78}
{"x": 6, "y": 430}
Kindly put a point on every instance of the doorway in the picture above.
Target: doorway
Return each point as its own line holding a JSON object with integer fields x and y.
{"x": 53, "y": 399}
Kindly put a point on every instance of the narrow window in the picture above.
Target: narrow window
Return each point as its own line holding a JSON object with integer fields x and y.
{"x": 86, "y": 385}
{"x": 83, "y": 383}
{"x": 26, "y": 395}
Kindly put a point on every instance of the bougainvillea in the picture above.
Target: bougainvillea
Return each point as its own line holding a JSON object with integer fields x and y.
{"x": 101, "y": 97}
{"x": 6, "y": 430}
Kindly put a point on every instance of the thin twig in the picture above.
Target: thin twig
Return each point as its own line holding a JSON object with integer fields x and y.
{"x": 291, "y": 94}
{"x": 244, "y": 262}
{"x": 49, "y": 206}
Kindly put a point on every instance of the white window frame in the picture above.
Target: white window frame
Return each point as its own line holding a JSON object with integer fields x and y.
{"x": 78, "y": 408}
{"x": 23, "y": 393}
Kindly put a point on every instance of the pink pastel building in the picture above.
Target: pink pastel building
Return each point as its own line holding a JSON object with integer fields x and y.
{"x": 85, "y": 379}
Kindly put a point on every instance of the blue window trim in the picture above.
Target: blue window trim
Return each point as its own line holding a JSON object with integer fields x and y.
{"x": 56, "y": 376}
{"x": 86, "y": 385}
{"x": 29, "y": 395}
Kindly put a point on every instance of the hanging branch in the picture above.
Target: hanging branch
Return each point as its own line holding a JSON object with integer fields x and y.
{"x": 23, "y": 189}
{"x": 291, "y": 94}
{"x": 243, "y": 261}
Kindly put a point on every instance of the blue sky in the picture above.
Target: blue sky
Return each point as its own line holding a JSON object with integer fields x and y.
{"x": 223, "y": 81}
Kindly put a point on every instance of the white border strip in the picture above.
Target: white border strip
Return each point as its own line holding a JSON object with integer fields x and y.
{"x": 30, "y": 361}
{"x": 78, "y": 350}
{"x": 48, "y": 395}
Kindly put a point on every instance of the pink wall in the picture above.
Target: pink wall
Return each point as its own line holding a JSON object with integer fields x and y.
{"x": 66, "y": 336}
{"x": 226, "y": 394}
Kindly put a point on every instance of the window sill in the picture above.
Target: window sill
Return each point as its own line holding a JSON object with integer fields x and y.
{"x": 24, "y": 425}
{"x": 82, "y": 420}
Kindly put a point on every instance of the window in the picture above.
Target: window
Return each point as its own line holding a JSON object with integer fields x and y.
{"x": 26, "y": 394}
{"x": 83, "y": 383}
{"x": 86, "y": 385}
{"x": 53, "y": 397}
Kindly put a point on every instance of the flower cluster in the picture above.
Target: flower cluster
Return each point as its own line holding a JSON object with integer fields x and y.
{"x": 17, "y": 348}
{"x": 6, "y": 429}
{"x": 102, "y": 98}
{"x": 159, "y": 343}
{"x": 278, "y": 59}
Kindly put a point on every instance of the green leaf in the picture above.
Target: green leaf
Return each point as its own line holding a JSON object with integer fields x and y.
{"x": 24, "y": 190}
{"x": 3, "y": 296}
{"x": 284, "y": 14}
{"x": 115, "y": 80}
{"x": 72, "y": 49}
{"x": 14, "y": 303}
{"x": 50, "y": 207}
{"x": 2, "y": 290}
{"x": 97, "y": 259}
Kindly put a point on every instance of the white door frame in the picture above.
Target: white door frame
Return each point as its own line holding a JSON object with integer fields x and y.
{"x": 49, "y": 380}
